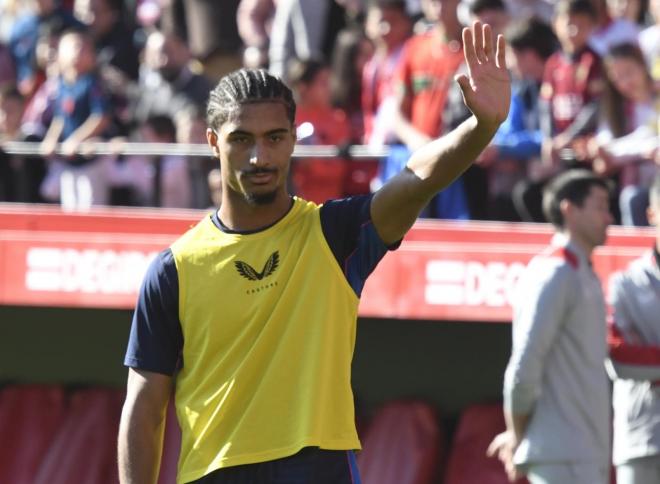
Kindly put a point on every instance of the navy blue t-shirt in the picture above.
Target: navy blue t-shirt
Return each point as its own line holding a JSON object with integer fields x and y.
{"x": 75, "y": 102}
{"x": 156, "y": 340}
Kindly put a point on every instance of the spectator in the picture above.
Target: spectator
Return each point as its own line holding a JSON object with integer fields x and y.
{"x": 20, "y": 176}
{"x": 80, "y": 113}
{"x": 388, "y": 26}
{"x": 556, "y": 392}
{"x": 304, "y": 30}
{"x": 167, "y": 83}
{"x": 629, "y": 135}
{"x": 475, "y": 179}
{"x": 572, "y": 84}
{"x": 23, "y": 40}
{"x": 649, "y": 41}
{"x": 350, "y": 55}
{"x": 611, "y": 29}
{"x": 516, "y": 147}
{"x": 425, "y": 72}
{"x": 114, "y": 40}
{"x": 634, "y": 363}
{"x": 215, "y": 187}
{"x": 254, "y": 19}
{"x": 318, "y": 179}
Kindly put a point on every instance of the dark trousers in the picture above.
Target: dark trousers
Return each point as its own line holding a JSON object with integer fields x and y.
{"x": 309, "y": 466}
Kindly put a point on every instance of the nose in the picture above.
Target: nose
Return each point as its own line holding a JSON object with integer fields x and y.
{"x": 259, "y": 155}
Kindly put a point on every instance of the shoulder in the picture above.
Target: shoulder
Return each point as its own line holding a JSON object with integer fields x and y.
{"x": 638, "y": 273}
{"x": 187, "y": 242}
{"x": 558, "y": 264}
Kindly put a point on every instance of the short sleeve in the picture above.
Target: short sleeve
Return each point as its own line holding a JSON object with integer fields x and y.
{"x": 156, "y": 341}
{"x": 353, "y": 239}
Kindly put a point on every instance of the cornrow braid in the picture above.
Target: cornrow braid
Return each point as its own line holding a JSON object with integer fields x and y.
{"x": 246, "y": 86}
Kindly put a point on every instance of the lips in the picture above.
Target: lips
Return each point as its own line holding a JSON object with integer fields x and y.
{"x": 261, "y": 177}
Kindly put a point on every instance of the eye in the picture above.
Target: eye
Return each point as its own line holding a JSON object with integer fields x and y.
{"x": 276, "y": 138}
{"x": 240, "y": 140}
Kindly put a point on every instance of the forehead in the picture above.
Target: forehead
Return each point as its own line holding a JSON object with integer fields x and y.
{"x": 257, "y": 118}
{"x": 598, "y": 194}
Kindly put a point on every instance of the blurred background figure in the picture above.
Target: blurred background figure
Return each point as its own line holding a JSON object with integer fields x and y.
{"x": 388, "y": 26}
{"x": 255, "y": 19}
{"x": 80, "y": 113}
{"x": 20, "y": 176}
{"x": 317, "y": 179}
{"x": 649, "y": 41}
{"x": 24, "y": 35}
{"x": 215, "y": 187}
{"x": 627, "y": 141}
{"x": 616, "y": 23}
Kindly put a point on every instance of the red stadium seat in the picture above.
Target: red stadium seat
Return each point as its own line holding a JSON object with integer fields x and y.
{"x": 402, "y": 445}
{"x": 84, "y": 449}
{"x": 468, "y": 463}
{"x": 30, "y": 416}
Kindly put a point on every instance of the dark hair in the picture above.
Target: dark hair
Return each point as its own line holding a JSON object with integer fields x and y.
{"x": 162, "y": 125}
{"x": 654, "y": 193}
{"x": 614, "y": 104}
{"x": 478, "y": 6}
{"x": 532, "y": 33}
{"x": 304, "y": 71}
{"x": 576, "y": 7}
{"x": 572, "y": 185}
{"x": 345, "y": 81}
{"x": 247, "y": 86}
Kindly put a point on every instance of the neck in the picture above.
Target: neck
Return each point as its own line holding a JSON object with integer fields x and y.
{"x": 239, "y": 215}
{"x": 586, "y": 247}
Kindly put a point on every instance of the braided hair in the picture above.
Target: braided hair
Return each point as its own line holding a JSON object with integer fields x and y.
{"x": 246, "y": 86}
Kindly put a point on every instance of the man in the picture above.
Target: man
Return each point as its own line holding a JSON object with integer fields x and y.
{"x": 251, "y": 315}
{"x": 635, "y": 361}
{"x": 556, "y": 393}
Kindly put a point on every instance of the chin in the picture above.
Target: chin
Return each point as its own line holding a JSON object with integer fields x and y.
{"x": 261, "y": 198}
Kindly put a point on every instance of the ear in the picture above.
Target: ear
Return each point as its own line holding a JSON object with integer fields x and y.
{"x": 212, "y": 140}
{"x": 566, "y": 209}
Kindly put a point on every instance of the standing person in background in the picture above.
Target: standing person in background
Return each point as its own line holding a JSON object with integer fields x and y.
{"x": 634, "y": 363}
{"x": 250, "y": 317}
{"x": 556, "y": 392}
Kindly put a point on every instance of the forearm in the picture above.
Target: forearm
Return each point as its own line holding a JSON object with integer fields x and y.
{"x": 140, "y": 445}
{"x": 94, "y": 125}
{"x": 516, "y": 424}
{"x": 440, "y": 162}
{"x": 585, "y": 121}
{"x": 54, "y": 131}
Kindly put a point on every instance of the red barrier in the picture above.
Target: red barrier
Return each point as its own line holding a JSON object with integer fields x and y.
{"x": 443, "y": 270}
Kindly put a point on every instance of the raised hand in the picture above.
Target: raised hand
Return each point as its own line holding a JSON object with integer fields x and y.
{"x": 487, "y": 86}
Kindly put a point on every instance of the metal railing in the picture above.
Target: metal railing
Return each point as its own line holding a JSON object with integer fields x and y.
{"x": 181, "y": 149}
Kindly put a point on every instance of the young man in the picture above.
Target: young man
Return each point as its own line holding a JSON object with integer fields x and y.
{"x": 251, "y": 315}
{"x": 556, "y": 393}
{"x": 635, "y": 361}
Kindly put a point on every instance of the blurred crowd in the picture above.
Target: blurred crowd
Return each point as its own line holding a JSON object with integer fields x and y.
{"x": 586, "y": 84}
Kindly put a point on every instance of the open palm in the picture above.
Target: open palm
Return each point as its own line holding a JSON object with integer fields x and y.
{"x": 487, "y": 86}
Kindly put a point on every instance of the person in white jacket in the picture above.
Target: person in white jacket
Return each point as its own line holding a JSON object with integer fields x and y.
{"x": 556, "y": 391}
{"x": 634, "y": 362}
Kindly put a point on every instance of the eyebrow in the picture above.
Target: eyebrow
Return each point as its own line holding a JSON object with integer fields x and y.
{"x": 240, "y": 132}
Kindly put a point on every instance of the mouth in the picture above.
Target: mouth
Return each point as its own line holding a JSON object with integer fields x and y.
{"x": 261, "y": 177}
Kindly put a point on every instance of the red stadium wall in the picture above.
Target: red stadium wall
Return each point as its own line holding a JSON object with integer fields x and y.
{"x": 442, "y": 271}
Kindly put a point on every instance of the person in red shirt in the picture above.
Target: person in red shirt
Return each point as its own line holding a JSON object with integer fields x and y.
{"x": 318, "y": 179}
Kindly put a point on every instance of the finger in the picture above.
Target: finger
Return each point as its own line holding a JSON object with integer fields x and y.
{"x": 501, "y": 51}
{"x": 493, "y": 448}
{"x": 488, "y": 41}
{"x": 468, "y": 48}
{"x": 479, "y": 41}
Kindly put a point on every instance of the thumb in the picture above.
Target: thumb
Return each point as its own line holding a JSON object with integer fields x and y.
{"x": 464, "y": 83}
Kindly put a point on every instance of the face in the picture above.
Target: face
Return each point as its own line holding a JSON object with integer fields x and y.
{"x": 628, "y": 77}
{"x": 573, "y": 31}
{"x": 388, "y": 25}
{"x": 628, "y": 9}
{"x": 254, "y": 147}
{"x": 497, "y": 19}
{"x": 589, "y": 222}
{"x": 527, "y": 64}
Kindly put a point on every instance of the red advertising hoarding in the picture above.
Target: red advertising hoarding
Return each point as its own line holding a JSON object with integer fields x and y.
{"x": 443, "y": 270}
